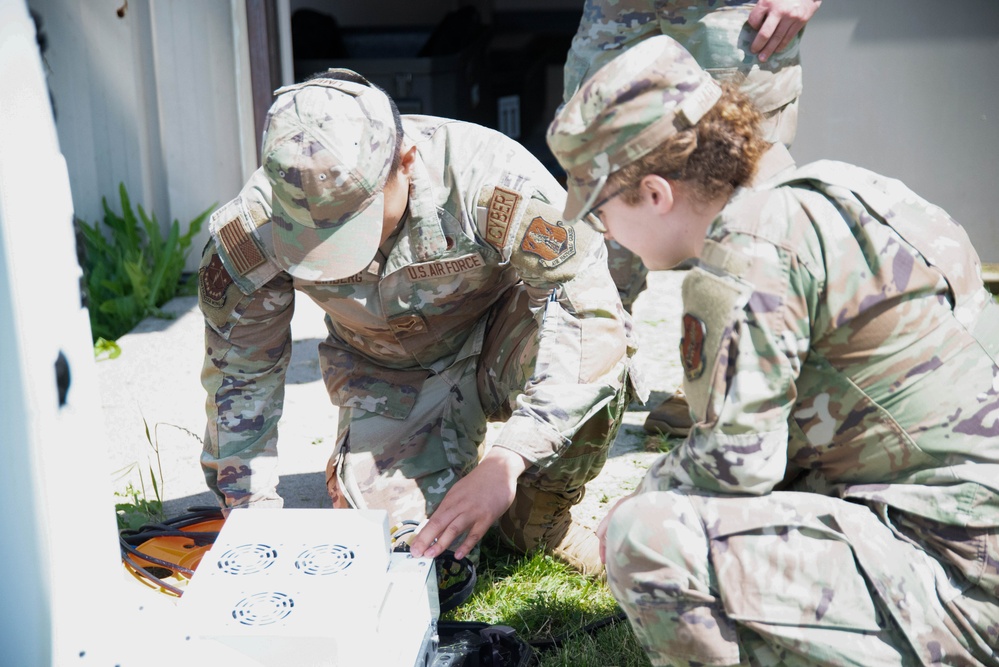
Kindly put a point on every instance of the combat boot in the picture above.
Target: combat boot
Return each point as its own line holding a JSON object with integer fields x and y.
{"x": 543, "y": 520}
{"x": 671, "y": 417}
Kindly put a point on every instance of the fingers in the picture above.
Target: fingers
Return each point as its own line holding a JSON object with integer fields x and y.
{"x": 777, "y": 23}
{"x": 757, "y": 15}
{"x": 433, "y": 538}
{"x": 469, "y": 544}
{"x": 471, "y": 505}
{"x": 441, "y": 530}
{"x": 769, "y": 37}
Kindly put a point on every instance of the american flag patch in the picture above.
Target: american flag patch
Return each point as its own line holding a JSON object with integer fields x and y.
{"x": 243, "y": 252}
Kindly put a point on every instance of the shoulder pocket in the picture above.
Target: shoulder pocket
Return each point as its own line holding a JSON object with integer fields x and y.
{"x": 712, "y": 306}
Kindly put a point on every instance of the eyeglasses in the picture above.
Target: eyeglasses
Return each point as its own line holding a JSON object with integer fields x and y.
{"x": 591, "y": 217}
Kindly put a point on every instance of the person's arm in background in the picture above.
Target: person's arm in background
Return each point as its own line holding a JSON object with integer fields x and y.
{"x": 777, "y": 22}
{"x": 605, "y": 29}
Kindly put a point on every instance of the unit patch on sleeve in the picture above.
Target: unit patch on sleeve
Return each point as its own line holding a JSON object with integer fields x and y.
{"x": 692, "y": 346}
{"x": 241, "y": 249}
{"x": 213, "y": 281}
{"x": 218, "y": 295}
{"x": 500, "y": 216}
{"x": 553, "y": 243}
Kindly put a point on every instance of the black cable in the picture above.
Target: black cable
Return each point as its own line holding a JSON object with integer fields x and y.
{"x": 149, "y": 575}
{"x": 130, "y": 539}
{"x": 200, "y": 538}
{"x": 559, "y": 640}
{"x": 173, "y": 527}
{"x": 156, "y": 561}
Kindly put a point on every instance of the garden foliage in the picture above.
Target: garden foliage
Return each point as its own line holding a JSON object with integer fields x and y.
{"x": 130, "y": 268}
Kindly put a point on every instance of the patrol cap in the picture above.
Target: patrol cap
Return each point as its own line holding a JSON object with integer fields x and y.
{"x": 327, "y": 150}
{"x": 628, "y": 107}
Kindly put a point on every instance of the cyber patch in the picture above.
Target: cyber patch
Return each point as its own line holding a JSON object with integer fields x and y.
{"x": 242, "y": 251}
{"x": 553, "y": 243}
{"x": 499, "y": 216}
{"x": 692, "y": 346}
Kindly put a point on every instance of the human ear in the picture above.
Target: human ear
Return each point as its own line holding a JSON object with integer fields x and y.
{"x": 658, "y": 192}
{"x": 407, "y": 160}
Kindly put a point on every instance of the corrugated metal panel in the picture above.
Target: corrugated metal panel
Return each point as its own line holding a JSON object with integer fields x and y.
{"x": 158, "y": 98}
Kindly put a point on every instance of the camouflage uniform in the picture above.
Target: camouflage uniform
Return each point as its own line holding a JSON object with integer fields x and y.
{"x": 837, "y": 500}
{"x": 715, "y": 32}
{"x": 840, "y": 358}
{"x": 482, "y": 306}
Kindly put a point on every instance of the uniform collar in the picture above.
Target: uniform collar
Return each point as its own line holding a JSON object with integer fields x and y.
{"x": 420, "y": 237}
{"x": 772, "y": 163}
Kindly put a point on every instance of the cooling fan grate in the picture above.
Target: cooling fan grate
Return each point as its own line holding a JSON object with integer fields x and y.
{"x": 274, "y": 578}
{"x": 247, "y": 559}
{"x": 324, "y": 559}
{"x": 263, "y": 608}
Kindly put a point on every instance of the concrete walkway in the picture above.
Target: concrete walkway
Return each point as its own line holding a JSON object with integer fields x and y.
{"x": 156, "y": 382}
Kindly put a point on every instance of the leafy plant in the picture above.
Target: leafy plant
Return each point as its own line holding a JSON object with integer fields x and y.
{"x": 134, "y": 507}
{"x": 137, "y": 509}
{"x": 130, "y": 268}
{"x": 134, "y": 510}
{"x": 661, "y": 443}
{"x": 106, "y": 349}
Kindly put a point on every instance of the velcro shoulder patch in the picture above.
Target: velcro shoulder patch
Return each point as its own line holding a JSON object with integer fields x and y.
{"x": 237, "y": 238}
{"x": 548, "y": 248}
{"x": 503, "y": 208}
{"x": 530, "y": 234}
{"x": 243, "y": 252}
{"x": 217, "y": 292}
{"x": 712, "y": 302}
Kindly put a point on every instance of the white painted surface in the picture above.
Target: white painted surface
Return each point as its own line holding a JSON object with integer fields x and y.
{"x": 908, "y": 88}
{"x": 158, "y": 99}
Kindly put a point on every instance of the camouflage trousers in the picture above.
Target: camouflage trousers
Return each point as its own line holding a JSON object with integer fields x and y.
{"x": 407, "y": 466}
{"x": 627, "y": 269}
{"x": 794, "y": 579}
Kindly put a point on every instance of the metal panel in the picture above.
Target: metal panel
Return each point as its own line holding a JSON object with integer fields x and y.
{"x": 204, "y": 106}
{"x": 157, "y": 98}
{"x": 907, "y": 88}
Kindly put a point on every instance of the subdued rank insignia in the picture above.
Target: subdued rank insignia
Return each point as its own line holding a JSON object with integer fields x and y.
{"x": 213, "y": 283}
{"x": 554, "y": 244}
{"x": 692, "y": 346}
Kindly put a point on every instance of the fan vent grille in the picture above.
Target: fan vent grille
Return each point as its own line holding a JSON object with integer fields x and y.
{"x": 324, "y": 559}
{"x": 247, "y": 559}
{"x": 263, "y": 608}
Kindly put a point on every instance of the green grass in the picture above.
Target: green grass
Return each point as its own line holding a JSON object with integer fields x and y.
{"x": 543, "y": 599}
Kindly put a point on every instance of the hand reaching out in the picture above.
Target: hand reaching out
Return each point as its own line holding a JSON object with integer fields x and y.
{"x": 473, "y": 504}
{"x": 777, "y": 22}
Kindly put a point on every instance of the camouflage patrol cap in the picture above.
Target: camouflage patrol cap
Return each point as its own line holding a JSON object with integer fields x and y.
{"x": 327, "y": 151}
{"x": 627, "y": 108}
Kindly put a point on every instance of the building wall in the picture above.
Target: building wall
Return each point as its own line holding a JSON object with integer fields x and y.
{"x": 157, "y": 98}
{"x": 160, "y": 97}
{"x": 909, "y": 88}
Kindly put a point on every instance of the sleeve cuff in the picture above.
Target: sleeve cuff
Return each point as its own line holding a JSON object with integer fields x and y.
{"x": 534, "y": 440}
